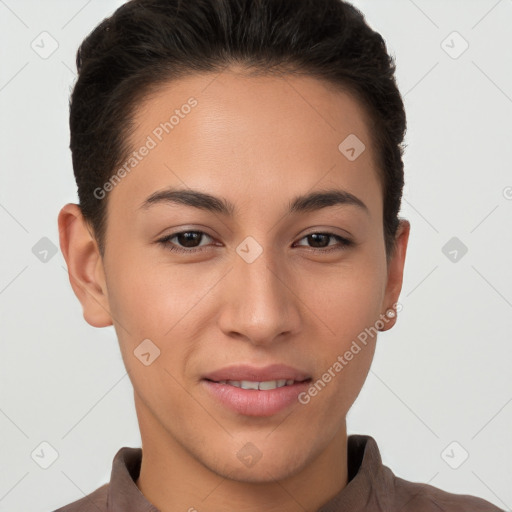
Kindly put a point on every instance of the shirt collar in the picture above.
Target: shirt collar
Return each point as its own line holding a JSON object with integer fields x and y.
{"x": 123, "y": 493}
{"x": 369, "y": 480}
{"x": 371, "y": 484}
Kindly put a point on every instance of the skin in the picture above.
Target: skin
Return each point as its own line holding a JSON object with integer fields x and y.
{"x": 258, "y": 142}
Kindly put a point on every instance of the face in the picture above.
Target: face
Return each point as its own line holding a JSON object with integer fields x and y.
{"x": 244, "y": 279}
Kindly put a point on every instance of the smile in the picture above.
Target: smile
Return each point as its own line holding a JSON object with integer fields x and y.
{"x": 262, "y": 386}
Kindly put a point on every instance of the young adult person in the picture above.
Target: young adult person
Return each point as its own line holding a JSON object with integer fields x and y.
{"x": 239, "y": 171}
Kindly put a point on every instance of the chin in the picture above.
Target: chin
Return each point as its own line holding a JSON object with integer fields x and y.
{"x": 258, "y": 476}
{"x": 260, "y": 470}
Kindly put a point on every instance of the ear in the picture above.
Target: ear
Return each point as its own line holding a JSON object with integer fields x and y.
{"x": 396, "y": 272}
{"x": 85, "y": 265}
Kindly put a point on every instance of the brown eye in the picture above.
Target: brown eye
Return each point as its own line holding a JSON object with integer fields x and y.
{"x": 188, "y": 238}
{"x": 186, "y": 241}
{"x": 320, "y": 241}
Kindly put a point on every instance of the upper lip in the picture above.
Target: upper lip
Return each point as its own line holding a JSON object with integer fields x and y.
{"x": 252, "y": 373}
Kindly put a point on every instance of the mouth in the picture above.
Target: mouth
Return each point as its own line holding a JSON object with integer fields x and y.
{"x": 256, "y": 391}
{"x": 266, "y": 385}
{"x": 266, "y": 375}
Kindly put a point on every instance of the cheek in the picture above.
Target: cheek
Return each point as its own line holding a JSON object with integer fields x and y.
{"x": 149, "y": 298}
{"x": 347, "y": 301}
{"x": 161, "y": 303}
{"x": 348, "y": 309}
{"x": 348, "y": 305}
{"x": 149, "y": 304}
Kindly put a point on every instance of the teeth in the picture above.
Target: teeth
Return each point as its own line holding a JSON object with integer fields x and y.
{"x": 266, "y": 385}
{"x": 247, "y": 384}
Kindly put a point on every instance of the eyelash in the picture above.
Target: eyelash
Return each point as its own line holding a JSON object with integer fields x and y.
{"x": 165, "y": 242}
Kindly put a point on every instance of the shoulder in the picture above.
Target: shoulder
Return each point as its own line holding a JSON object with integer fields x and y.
{"x": 96, "y": 501}
{"x": 413, "y": 496}
{"x": 390, "y": 492}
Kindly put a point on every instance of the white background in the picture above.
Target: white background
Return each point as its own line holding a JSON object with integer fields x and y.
{"x": 442, "y": 374}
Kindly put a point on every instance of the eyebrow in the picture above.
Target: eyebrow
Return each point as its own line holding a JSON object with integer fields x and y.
{"x": 312, "y": 201}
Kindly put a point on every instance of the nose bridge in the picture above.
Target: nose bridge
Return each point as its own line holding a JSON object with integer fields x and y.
{"x": 260, "y": 305}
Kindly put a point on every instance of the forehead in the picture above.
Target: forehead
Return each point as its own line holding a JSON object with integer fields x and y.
{"x": 258, "y": 105}
{"x": 251, "y": 135}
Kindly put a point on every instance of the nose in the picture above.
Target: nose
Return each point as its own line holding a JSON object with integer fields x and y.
{"x": 259, "y": 302}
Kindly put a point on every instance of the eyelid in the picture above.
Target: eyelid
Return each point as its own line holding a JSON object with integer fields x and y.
{"x": 325, "y": 233}
{"x": 343, "y": 241}
{"x": 331, "y": 231}
{"x": 165, "y": 240}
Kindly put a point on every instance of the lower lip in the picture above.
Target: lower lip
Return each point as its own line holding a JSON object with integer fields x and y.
{"x": 253, "y": 402}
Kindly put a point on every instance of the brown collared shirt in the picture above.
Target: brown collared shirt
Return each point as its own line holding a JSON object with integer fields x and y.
{"x": 372, "y": 487}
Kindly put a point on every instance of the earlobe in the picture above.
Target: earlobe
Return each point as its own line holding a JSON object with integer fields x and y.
{"x": 85, "y": 266}
{"x": 395, "y": 273}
